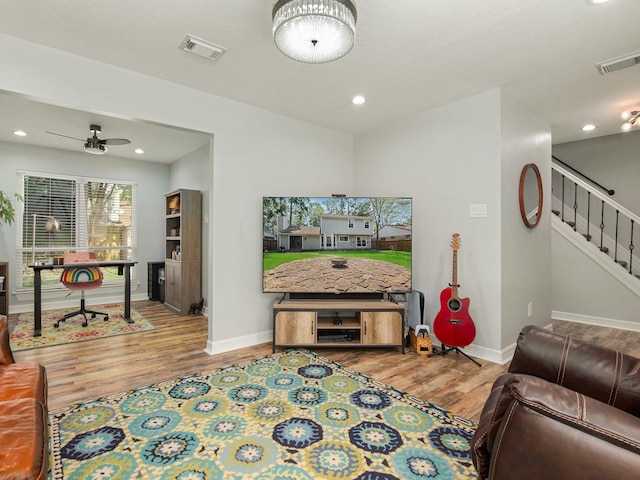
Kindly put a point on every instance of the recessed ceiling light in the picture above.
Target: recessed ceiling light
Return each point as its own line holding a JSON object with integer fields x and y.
{"x": 588, "y": 128}
{"x": 358, "y": 100}
{"x": 20, "y": 133}
{"x": 139, "y": 151}
{"x": 596, "y": 2}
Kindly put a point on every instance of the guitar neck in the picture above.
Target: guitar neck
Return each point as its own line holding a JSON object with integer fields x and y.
{"x": 454, "y": 276}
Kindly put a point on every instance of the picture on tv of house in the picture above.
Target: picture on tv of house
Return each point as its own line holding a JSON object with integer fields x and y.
{"x": 336, "y": 245}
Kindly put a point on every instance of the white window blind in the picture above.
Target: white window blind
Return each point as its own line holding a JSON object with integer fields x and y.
{"x": 96, "y": 215}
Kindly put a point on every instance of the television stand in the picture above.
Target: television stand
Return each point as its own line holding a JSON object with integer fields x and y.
{"x": 338, "y": 322}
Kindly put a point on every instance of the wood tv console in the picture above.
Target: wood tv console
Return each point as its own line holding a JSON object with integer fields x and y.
{"x": 338, "y": 323}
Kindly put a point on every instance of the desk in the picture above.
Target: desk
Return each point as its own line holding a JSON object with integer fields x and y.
{"x": 37, "y": 287}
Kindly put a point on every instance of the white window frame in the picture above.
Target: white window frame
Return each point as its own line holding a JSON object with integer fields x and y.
{"x": 24, "y": 245}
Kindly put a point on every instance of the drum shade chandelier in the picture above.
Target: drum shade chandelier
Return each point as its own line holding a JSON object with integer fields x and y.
{"x": 314, "y": 31}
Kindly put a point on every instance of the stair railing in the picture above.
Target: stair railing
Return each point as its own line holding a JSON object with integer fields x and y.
{"x": 586, "y": 209}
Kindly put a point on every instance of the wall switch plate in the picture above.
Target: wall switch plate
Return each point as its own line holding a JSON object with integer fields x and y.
{"x": 530, "y": 310}
{"x": 478, "y": 210}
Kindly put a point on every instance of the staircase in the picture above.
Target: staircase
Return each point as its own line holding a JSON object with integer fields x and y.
{"x": 585, "y": 215}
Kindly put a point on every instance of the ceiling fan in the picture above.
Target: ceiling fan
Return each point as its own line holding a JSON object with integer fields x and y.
{"x": 94, "y": 144}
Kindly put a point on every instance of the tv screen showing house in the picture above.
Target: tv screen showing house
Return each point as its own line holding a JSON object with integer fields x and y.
{"x": 336, "y": 245}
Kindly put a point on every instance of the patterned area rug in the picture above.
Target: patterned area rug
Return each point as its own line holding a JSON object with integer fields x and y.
{"x": 288, "y": 416}
{"x": 72, "y": 330}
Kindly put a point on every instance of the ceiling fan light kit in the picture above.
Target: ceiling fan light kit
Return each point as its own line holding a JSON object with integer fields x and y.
{"x": 95, "y": 145}
{"x": 95, "y": 148}
{"x": 314, "y": 31}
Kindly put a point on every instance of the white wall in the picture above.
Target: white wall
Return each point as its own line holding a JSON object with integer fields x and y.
{"x": 584, "y": 290}
{"x": 526, "y": 252}
{"x": 445, "y": 165}
{"x": 152, "y": 180}
{"x": 255, "y": 153}
{"x": 193, "y": 172}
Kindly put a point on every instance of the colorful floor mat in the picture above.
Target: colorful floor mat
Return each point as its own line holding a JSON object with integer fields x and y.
{"x": 290, "y": 415}
{"x": 72, "y": 330}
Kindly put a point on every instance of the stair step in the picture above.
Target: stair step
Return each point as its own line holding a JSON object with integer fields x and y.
{"x": 588, "y": 237}
{"x": 604, "y": 249}
{"x": 571, "y": 224}
{"x": 556, "y": 212}
{"x": 622, "y": 262}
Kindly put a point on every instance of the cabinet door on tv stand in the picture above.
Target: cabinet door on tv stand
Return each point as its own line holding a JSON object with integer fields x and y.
{"x": 381, "y": 328}
{"x": 295, "y": 328}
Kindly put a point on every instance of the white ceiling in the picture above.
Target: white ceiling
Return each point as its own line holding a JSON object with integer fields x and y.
{"x": 410, "y": 56}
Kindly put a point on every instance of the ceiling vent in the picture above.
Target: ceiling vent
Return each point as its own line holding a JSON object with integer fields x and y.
{"x": 202, "y": 48}
{"x": 619, "y": 63}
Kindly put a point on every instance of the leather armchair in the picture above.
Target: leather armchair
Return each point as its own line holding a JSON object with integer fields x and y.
{"x": 566, "y": 409}
{"x": 24, "y": 434}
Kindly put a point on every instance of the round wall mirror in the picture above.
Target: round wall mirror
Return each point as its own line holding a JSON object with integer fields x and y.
{"x": 530, "y": 195}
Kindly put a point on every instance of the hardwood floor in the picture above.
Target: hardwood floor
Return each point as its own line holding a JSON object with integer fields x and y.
{"x": 86, "y": 370}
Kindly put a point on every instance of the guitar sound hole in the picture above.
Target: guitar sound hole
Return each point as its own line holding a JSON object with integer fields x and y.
{"x": 454, "y": 305}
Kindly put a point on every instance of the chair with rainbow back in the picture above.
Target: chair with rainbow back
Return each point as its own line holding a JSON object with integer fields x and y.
{"x": 81, "y": 278}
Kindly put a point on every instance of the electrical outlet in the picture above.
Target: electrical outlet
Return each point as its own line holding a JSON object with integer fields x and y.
{"x": 530, "y": 310}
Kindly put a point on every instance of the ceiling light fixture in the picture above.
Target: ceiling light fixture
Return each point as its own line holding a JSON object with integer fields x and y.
{"x": 588, "y": 127}
{"x": 358, "y": 100}
{"x": 95, "y": 148}
{"x": 20, "y": 133}
{"x": 314, "y": 31}
{"x": 632, "y": 119}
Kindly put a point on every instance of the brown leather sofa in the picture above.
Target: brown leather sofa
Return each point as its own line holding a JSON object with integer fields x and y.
{"x": 566, "y": 410}
{"x": 24, "y": 434}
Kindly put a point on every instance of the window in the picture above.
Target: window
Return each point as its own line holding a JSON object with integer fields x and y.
{"x": 96, "y": 215}
{"x": 366, "y": 224}
{"x": 350, "y": 223}
{"x": 344, "y": 239}
{"x": 361, "y": 241}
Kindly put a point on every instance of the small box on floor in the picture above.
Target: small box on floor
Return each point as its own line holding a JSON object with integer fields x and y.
{"x": 422, "y": 345}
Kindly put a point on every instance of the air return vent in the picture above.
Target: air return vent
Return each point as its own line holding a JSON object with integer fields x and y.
{"x": 202, "y": 48}
{"x": 620, "y": 63}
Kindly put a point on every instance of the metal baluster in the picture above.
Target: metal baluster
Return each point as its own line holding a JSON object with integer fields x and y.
{"x": 575, "y": 207}
{"x": 615, "y": 248}
{"x": 602, "y": 225}
{"x": 562, "y": 201}
{"x": 588, "y": 237}
{"x": 631, "y": 247}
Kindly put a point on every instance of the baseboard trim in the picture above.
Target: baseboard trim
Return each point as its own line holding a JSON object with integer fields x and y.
{"x": 238, "y": 342}
{"x": 598, "y": 321}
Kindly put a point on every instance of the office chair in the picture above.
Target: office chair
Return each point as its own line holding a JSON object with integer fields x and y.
{"x": 81, "y": 278}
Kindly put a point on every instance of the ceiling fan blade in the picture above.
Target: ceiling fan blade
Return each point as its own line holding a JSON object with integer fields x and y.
{"x": 115, "y": 141}
{"x": 66, "y": 136}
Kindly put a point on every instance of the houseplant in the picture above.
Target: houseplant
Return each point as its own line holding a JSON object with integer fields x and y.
{"x": 7, "y": 211}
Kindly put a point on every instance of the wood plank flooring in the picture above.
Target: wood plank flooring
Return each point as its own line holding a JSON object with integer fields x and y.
{"x": 86, "y": 370}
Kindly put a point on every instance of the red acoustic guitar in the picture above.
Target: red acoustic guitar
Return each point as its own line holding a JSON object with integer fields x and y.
{"x": 453, "y": 325}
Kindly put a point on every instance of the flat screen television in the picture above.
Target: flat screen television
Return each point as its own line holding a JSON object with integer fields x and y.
{"x": 336, "y": 245}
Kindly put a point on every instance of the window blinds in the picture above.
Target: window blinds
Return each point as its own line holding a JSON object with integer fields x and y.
{"x": 96, "y": 215}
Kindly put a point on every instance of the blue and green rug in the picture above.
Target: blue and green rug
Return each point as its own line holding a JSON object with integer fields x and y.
{"x": 288, "y": 416}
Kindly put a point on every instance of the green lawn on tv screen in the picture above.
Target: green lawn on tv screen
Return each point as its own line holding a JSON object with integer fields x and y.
{"x": 272, "y": 260}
